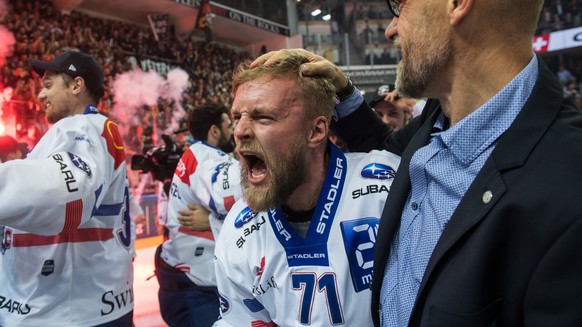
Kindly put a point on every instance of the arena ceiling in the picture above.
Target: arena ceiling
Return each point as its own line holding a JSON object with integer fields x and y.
{"x": 182, "y": 17}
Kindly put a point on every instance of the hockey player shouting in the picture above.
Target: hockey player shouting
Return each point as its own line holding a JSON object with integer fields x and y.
{"x": 298, "y": 249}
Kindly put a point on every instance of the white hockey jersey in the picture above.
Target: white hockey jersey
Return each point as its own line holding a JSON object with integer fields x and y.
{"x": 268, "y": 275}
{"x": 65, "y": 245}
{"x": 209, "y": 177}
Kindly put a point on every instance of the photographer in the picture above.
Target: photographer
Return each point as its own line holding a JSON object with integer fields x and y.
{"x": 208, "y": 177}
{"x": 160, "y": 162}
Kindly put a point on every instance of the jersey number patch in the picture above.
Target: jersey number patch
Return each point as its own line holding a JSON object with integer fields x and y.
{"x": 307, "y": 284}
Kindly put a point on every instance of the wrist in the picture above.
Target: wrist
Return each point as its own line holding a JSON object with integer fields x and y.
{"x": 346, "y": 91}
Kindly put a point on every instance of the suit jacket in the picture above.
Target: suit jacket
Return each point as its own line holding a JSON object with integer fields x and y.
{"x": 511, "y": 254}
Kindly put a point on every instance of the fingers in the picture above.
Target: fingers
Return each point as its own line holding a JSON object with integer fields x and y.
{"x": 325, "y": 68}
{"x": 262, "y": 59}
{"x": 274, "y": 57}
{"x": 317, "y": 66}
{"x": 392, "y": 96}
{"x": 196, "y": 207}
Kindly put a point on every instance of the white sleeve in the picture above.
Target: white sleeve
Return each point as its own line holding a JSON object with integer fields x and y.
{"x": 235, "y": 280}
{"x": 57, "y": 190}
{"x": 225, "y": 186}
{"x": 233, "y": 311}
{"x": 46, "y": 196}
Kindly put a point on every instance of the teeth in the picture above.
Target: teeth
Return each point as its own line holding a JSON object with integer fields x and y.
{"x": 256, "y": 175}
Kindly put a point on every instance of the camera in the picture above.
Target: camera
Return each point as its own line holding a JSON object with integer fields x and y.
{"x": 160, "y": 161}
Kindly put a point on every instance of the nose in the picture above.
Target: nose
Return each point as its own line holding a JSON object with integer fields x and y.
{"x": 42, "y": 95}
{"x": 392, "y": 29}
{"x": 242, "y": 129}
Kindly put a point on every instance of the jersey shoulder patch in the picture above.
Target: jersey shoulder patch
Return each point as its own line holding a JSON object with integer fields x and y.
{"x": 114, "y": 142}
{"x": 186, "y": 166}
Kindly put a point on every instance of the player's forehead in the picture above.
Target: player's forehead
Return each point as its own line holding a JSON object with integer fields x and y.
{"x": 272, "y": 96}
{"x": 50, "y": 77}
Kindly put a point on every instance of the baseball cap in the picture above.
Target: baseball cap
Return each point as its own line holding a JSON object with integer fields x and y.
{"x": 7, "y": 145}
{"x": 75, "y": 64}
{"x": 381, "y": 94}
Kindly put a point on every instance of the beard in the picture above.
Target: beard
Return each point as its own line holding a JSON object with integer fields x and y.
{"x": 422, "y": 61}
{"x": 286, "y": 174}
{"x": 226, "y": 144}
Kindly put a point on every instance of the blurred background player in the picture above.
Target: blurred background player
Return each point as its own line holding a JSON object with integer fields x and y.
{"x": 208, "y": 177}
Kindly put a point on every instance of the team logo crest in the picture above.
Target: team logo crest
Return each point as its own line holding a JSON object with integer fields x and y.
{"x": 79, "y": 163}
{"x": 224, "y": 304}
{"x": 378, "y": 171}
{"x": 244, "y": 217}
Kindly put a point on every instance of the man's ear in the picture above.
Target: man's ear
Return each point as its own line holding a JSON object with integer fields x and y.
{"x": 213, "y": 133}
{"x": 458, "y": 9}
{"x": 78, "y": 84}
{"x": 319, "y": 131}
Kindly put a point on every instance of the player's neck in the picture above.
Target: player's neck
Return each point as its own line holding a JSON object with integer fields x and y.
{"x": 305, "y": 197}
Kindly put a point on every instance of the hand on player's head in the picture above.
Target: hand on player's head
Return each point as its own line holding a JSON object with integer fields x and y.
{"x": 316, "y": 65}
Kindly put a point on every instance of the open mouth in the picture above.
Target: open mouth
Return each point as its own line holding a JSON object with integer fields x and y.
{"x": 257, "y": 169}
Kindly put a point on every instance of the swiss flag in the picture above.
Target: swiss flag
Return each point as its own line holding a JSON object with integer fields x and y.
{"x": 540, "y": 43}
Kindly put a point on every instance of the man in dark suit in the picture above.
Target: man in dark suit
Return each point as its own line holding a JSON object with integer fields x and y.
{"x": 483, "y": 223}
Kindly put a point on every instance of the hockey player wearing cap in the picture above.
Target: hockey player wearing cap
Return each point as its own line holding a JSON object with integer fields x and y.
{"x": 65, "y": 255}
{"x": 394, "y": 110}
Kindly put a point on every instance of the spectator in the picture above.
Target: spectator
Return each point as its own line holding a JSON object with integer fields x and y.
{"x": 72, "y": 229}
{"x": 9, "y": 149}
{"x": 393, "y": 110}
{"x": 308, "y": 215}
{"x": 564, "y": 75}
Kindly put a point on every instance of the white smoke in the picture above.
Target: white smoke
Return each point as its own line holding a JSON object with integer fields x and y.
{"x": 136, "y": 91}
{"x": 177, "y": 84}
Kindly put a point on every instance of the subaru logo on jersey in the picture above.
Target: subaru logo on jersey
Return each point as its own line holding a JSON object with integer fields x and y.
{"x": 48, "y": 267}
{"x": 5, "y": 238}
{"x": 79, "y": 163}
{"x": 224, "y": 304}
{"x": 378, "y": 171}
{"x": 244, "y": 217}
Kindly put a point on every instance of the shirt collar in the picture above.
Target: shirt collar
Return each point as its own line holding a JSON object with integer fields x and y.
{"x": 479, "y": 130}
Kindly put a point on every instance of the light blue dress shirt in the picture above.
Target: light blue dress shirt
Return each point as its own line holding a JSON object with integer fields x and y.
{"x": 440, "y": 174}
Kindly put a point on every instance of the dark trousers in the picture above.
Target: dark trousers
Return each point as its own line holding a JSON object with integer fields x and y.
{"x": 183, "y": 303}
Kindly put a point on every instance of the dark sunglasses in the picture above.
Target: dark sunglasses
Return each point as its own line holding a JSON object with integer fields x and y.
{"x": 394, "y": 6}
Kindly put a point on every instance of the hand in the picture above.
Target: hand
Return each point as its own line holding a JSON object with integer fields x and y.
{"x": 195, "y": 218}
{"x": 139, "y": 219}
{"x": 391, "y": 96}
{"x": 317, "y": 65}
